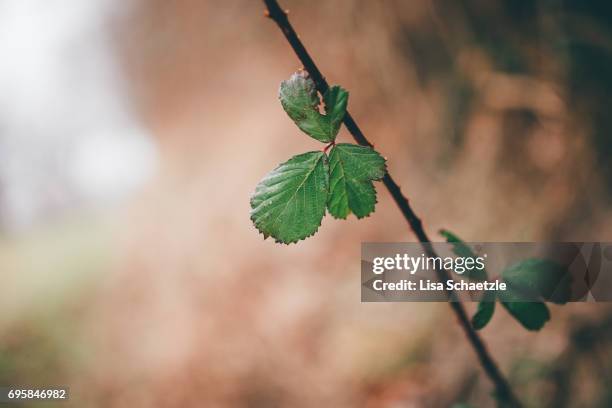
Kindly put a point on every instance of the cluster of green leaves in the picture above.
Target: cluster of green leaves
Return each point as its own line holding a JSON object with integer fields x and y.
{"x": 526, "y": 280}
{"x": 290, "y": 201}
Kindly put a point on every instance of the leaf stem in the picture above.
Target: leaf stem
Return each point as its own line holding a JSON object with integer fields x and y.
{"x": 331, "y": 144}
{"x": 503, "y": 391}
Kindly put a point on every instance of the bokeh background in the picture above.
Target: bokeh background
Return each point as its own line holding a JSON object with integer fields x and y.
{"x": 132, "y": 134}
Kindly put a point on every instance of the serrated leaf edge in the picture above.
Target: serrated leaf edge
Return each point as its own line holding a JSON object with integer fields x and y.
{"x": 278, "y": 241}
{"x": 371, "y": 180}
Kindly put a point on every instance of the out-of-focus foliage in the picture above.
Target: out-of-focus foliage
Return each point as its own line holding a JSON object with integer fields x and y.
{"x": 461, "y": 249}
{"x": 547, "y": 278}
{"x": 538, "y": 276}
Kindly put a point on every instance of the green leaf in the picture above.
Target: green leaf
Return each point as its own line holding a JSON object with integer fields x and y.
{"x": 352, "y": 170}
{"x": 486, "y": 307}
{"x": 463, "y": 250}
{"x": 485, "y": 311}
{"x": 460, "y": 248}
{"x": 335, "y": 100}
{"x": 532, "y": 315}
{"x": 289, "y": 202}
{"x": 542, "y": 277}
{"x": 299, "y": 98}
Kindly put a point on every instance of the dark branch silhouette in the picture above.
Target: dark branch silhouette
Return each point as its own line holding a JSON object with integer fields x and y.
{"x": 503, "y": 390}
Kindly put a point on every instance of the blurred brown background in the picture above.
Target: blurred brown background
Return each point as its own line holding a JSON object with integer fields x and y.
{"x": 132, "y": 135}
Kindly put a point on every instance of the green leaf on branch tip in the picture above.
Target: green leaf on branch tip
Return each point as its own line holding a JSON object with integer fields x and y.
{"x": 352, "y": 170}
{"x": 299, "y": 98}
{"x": 289, "y": 203}
{"x": 463, "y": 250}
{"x": 531, "y": 315}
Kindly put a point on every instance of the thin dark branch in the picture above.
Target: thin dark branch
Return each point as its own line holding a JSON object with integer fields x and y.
{"x": 503, "y": 390}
